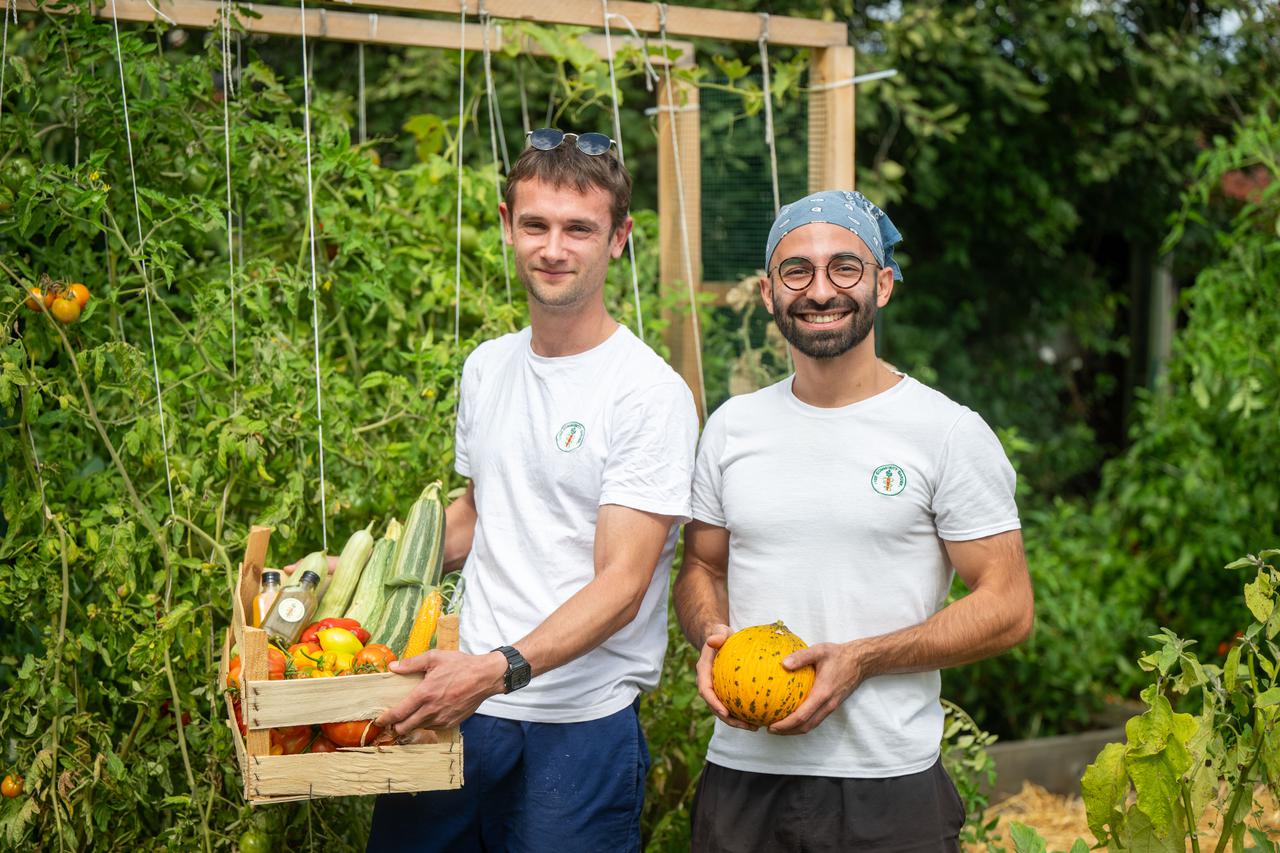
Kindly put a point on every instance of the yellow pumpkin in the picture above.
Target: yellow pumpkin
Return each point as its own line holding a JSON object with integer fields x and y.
{"x": 748, "y": 677}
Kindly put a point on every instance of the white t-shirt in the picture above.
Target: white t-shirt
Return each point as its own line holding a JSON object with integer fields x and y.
{"x": 836, "y": 521}
{"x": 546, "y": 442}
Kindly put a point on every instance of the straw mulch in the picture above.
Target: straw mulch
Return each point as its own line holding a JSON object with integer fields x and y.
{"x": 1061, "y": 819}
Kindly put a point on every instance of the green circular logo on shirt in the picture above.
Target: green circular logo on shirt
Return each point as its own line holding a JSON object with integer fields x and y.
{"x": 570, "y": 436}
{"x": 889, "y": 480}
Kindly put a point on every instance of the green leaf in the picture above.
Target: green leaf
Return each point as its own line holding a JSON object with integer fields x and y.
{"x": 1104, "y": 787}
{"x": 1268, "y": 698}
{"x": 1258, "y": 596}
{"x": 1026, "y": 839}
{"x": 1231, "y": 669}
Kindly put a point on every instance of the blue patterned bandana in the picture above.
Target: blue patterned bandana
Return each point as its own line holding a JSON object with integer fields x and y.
{"x": 851, "y": 210}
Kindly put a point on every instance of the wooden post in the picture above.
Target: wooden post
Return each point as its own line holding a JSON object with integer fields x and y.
{"x": 831, "y": 119}
{"x": 674, "y": 229}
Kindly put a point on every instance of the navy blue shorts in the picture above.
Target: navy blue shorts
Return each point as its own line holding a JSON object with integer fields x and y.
{"x": 529, "y": 786}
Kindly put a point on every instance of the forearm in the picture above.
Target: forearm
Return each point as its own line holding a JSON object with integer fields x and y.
{"x": 981, "y": 624}
{"x": 459, "y": 529}
{"x": 701, "y": 601}
{"x": 592, "y": 615}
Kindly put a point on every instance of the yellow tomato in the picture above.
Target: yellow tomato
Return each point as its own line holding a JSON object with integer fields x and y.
{"x": 343, "y": 662}
{"x": 339, "y": 640}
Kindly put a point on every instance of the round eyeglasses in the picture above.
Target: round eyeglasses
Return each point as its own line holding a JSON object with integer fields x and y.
{"x": 843, "y": 271}
{"x": 546, "y": 138}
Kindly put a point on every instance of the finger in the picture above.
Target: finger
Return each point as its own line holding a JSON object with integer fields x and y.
{"x": 794, "y": 722}
{"x": 803, "y": 657}
{"x": 417, "y": 663}
{"x": 419, "y": 719}
{"x": 396, "y": 713}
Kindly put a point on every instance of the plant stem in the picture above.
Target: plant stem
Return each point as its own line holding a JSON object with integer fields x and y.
{"x": 1191, "y": 818}
{"x": 1237, "y": 796}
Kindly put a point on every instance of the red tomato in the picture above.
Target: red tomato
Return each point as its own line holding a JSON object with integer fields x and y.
{"x": 322, "y": 744}
{"x": 276, "y": 663}
{"x": 293, "y": 740}
{"x": 233, "y": 676}
{"x": 12, "y": 786}
{"x": 373, "y": 658}
{"x": 353, "y": 733}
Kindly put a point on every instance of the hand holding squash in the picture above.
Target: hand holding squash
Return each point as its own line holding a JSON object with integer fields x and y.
{"x": 715, "y": 637}
{"x": 838, "y": 671}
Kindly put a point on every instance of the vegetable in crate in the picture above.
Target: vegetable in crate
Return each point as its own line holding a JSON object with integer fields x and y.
{"x": 355, "y": 554}
{"x": 424, "y": 624}
{"x": 296, "y": 602}
{"x": 418, "y": 563}
{"x": 367, "y": 602}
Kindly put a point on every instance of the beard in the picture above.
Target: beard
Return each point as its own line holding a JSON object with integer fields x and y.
{"x": 825, "y": 343}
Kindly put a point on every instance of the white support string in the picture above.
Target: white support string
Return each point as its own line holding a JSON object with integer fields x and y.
{"x": 617, "y": 135}
{"x": 457, "y": 258}
{"x": 854, "y": 81}
{"x": 4, "y": 47}
{"x": 494, "y": 124}
{"x": 684, "y": 222}
{"x": 768, "y": 109}
{"x": 225, "y": 30}
{"x": 142, "y": 258}
{"x": 360, "y": 92}
{"x": 315, "y": 301}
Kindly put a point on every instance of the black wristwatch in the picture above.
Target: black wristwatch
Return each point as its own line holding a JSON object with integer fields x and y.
{"x": 518, "y": 670}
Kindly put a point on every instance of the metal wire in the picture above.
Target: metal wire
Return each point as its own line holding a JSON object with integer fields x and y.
{"x": 142, "y": 259}
{"x": 462, "y": 86}
{"x": 494, "y": 125}
{"x": 617, "y": 135}
{"x": 315, "y": 301}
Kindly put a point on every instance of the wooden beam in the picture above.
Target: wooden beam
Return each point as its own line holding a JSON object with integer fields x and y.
{"x": 831, "y": 119}
{"x": 356, "y": 27}
{"x": 686, "y": 21}
{"x": 674, "y": 230}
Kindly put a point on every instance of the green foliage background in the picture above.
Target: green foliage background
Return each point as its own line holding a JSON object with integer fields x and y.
{"x": 1030, "y": 151}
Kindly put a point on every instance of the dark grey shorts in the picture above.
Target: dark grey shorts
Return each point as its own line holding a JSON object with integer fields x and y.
{"x": 739, "y": 812}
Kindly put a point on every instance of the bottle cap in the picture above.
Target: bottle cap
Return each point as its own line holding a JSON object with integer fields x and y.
{"x": 271, "y": 577}
{"x": 310, "y": 577}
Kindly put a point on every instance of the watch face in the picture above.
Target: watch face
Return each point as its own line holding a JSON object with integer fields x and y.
{"x": 519, "y": 676}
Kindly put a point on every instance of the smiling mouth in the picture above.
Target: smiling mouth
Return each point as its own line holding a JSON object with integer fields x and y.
{"x": 824, "y": 319}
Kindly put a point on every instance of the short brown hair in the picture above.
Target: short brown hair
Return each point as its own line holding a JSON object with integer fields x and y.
{"x": 566, "y": 166}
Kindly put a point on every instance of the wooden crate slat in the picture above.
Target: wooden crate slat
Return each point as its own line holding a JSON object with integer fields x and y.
{"x": 355, "y": 772}
{"x": 272, "y": 704}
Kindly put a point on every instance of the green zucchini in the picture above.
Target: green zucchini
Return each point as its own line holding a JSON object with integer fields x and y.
{"x": 367, "y": 602}
{"x": 347, "y": 574}
{"x": 418, "y": 564}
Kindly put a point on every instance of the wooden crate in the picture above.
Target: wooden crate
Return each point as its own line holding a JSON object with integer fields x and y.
{"x": 269, "y": 704}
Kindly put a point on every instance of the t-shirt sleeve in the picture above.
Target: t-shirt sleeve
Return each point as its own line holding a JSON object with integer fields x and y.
{"x": 467, "y": 388}
{"x": 975, "y": 493}
{"x": 708, "y": 496}
{"x": 650, "y": 462}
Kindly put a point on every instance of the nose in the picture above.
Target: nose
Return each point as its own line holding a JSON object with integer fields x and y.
{"x": 821, "y": 290}
{"x": 553, "y": 248}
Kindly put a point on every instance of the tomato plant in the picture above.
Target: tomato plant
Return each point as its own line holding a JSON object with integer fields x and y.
{"x": 11, "y": 786}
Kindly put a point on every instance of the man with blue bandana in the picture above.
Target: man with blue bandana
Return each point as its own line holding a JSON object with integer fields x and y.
{"x": 841, "y": 501}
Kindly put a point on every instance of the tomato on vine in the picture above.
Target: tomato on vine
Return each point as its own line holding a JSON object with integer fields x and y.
{"x": 254, "y": 841}
{"x": 12, "y": 786}
{"x": 65, "y": 309}
{"x": 79, "y": 293}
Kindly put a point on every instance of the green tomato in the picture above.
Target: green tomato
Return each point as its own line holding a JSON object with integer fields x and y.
{"x": 254, "y": 841}
{"x": 470, "y": 239}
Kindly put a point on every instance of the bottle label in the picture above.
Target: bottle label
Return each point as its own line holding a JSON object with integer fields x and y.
{"x": 291, "y": 610}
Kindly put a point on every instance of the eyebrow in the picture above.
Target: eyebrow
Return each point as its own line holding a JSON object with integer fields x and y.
{"x": 526, "y": 218}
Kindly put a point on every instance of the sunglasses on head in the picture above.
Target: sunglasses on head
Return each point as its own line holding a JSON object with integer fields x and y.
{"x": 546, "y": 138}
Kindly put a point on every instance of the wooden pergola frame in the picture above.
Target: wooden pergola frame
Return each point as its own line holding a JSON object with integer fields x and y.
{"x": 831, "y": 89}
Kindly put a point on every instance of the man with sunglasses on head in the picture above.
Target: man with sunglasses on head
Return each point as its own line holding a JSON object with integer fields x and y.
{"x": 840, "y": 501}
{"x": 577, "y": 441}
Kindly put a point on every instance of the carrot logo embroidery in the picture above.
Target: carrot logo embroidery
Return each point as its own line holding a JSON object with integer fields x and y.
{"x": 888, "y": 480}
{"x": 570, "y": 436}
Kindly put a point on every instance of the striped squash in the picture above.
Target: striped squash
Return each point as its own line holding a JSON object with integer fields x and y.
{"x": 416, "y": 569}
{"x": 367, "y": 602}
{"x": 748, "y": 677}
